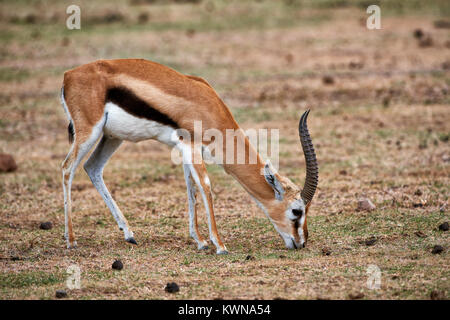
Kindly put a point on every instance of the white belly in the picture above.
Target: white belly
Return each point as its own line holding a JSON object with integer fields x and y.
{"x": 122, "y": 125}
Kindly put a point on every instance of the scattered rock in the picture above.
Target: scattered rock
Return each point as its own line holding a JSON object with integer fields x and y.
{"x": 437, "y": 249}
{"x": 426, "y": 41}
{"x": 65, "y": 42}
{"x": 117, "y": 265}
{"x": 46, "y": 225}
{"x": 328, "y": 80}
{"x": 442, "y": 209}
{"x": 143, "y": 17}
{"x": 365, "y": 205}
{"x": 419, "y": 204}
{"x": 437, "y": 295}
{"x": 249, "y": 257}
{"x": 418, "y": 192}
{"x": 7, "y": 163}
{"x": 172, "y": 287}
{"x": 442, "y": 24}
{"x": 446, "y": 66}
{"x": 289, "y": 58}
{"x": 343, "y": 172}
{"x": 282, "y": 256}
{"x": 420, "y": 234}
{"x": 190, "y": 33}
{"x": 370, "y": 241}
{"x": 326, "y": 251}
{"x": 418, "y": 33}
{"x": 356, "y": 295}
{"x": 355, "y": 65}
{"x": 444, "y": 226}
{"x": 61, "y": 294}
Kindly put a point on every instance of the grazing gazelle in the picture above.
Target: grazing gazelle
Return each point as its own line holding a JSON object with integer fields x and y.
{"x": 135, "y": 100}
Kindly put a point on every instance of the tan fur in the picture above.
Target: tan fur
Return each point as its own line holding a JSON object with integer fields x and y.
{"x": 184, "y": 99}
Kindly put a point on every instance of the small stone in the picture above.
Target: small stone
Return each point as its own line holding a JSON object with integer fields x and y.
{"x": 442, "y": 24}
{"x": 418, "y": 192}
{"x": 444, "y": 226}
{"x": 7, "y": 163}
{"x": 437, "y": 295}
{"x": 143, "y": 17}
{"x": 249, "y": 257}
{"x": 442, "y": 209}
{"x": 355, "y": 296}
{"x": 328, "y": 80}
{"x": 365, "y": 205}
{"x": 370, "y": 242}
{"x": 437, "y": 249}
{"x": 46, "y": 225}
{"x": 117, "y": 265}
{"x": 343, "y": 172}
{"x": 61, "y": 294}
{"x": 419, "y": 204}
{"x": 420, "y": 234}
{"x": 426, "y": 41}
{"x": 418, "y": 33}
{"x": 326, "y": 251}
{"x": 172, "y": 287}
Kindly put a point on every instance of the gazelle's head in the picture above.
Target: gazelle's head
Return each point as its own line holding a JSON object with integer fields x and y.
{"x": 288, "y": 211}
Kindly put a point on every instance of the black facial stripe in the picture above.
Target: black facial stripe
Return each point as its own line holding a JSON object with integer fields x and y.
{"x": 132, "y": 104}
{"x": 297, "y": 212}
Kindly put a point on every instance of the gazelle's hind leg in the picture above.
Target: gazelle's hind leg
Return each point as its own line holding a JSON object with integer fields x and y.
{"x": 192, "y": 197}
{"x": 94, "y": 168}
{"x": 77, "y": 152}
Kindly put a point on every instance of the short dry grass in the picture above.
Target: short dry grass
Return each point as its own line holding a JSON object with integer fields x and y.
{"x": 381, "y": 131}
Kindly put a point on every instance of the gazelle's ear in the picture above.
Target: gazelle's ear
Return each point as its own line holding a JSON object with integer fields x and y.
{"x": 273, "y": 182}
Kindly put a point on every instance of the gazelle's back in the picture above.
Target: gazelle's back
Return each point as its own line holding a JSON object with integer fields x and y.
{"x": 146, "y": 90}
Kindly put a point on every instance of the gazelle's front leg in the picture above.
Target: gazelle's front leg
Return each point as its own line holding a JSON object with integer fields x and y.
{"x": 192, "y": 158}
{"x": 192, "y": 196}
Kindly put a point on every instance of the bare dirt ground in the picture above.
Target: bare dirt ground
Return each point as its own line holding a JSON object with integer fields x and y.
{"x": 380, "y": 123}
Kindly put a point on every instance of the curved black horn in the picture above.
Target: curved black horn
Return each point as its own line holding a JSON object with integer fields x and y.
{"x": 312, "y": 170}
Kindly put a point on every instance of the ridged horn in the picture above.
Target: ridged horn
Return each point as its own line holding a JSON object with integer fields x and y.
{"x": 312, "y": 169}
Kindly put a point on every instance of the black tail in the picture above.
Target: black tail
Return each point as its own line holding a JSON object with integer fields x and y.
{"x": 70, "y": 131}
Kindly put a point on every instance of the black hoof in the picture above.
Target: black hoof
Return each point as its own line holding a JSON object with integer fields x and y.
{"x": 131, "y": 240}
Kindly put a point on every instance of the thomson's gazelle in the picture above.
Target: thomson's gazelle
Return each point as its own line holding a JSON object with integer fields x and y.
{"x": 135, "y": 100}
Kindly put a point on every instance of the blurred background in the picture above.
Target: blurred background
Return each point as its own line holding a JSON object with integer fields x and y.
{"x": 380, "y": 123}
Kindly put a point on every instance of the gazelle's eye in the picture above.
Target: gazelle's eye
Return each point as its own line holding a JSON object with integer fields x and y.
{"x": 297, "y": 212}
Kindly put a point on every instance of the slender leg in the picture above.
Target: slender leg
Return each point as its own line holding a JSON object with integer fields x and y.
{"x": 191, "y": 155}
{"x": 77, "y": 152}
{"x": 193, "y": 224}
{"x": 94, "y": 168}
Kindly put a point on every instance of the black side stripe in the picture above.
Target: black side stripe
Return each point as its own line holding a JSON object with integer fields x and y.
{"x": 128, "y": 101}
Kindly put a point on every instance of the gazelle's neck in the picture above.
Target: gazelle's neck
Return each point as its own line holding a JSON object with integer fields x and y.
{"x": 250, "y": 174}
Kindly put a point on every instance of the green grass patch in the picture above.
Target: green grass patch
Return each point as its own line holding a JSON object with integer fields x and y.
{"x": 28, "y": 279}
